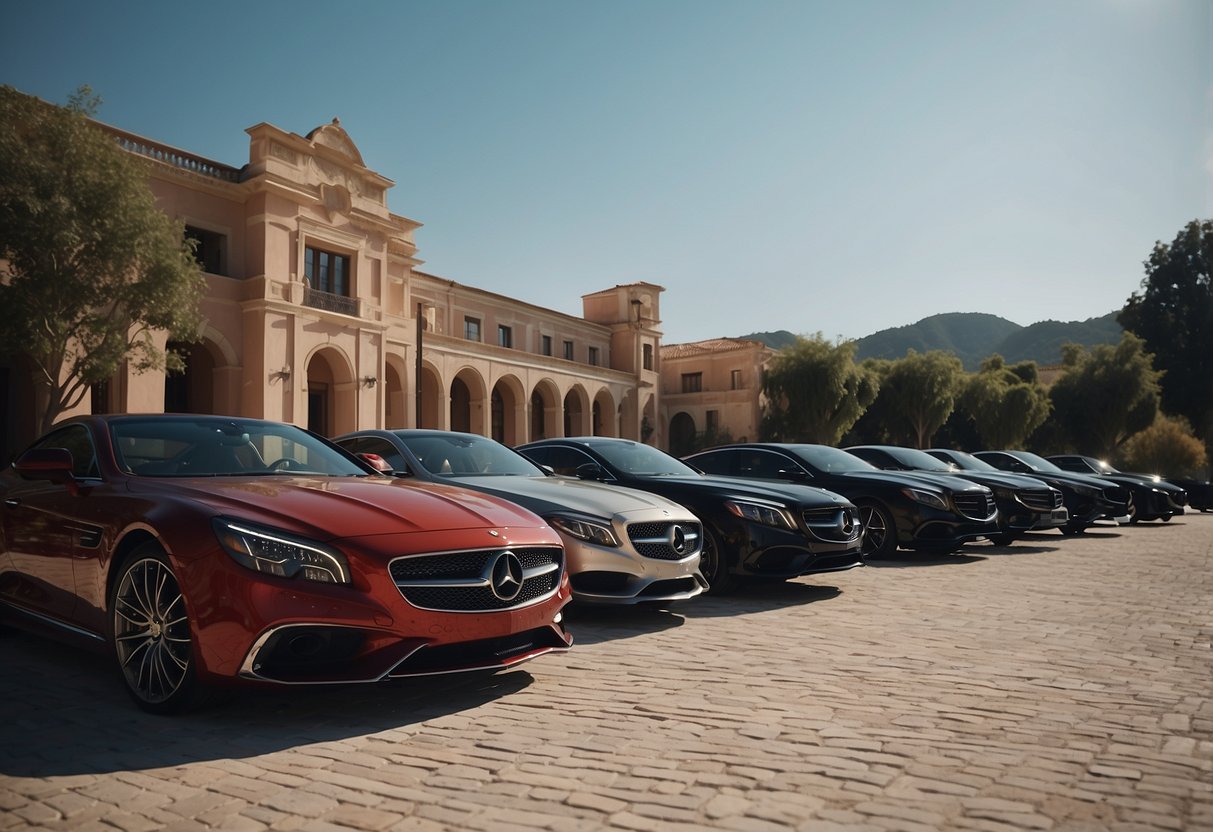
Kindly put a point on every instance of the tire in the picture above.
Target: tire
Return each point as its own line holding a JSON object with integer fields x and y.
{"x": 1166, "y": 518}
{"x": 713, "y": 564}
{"x": 1002, "y": 539}
{"x": 1073, "y": 529}
{"x": 150, "y": 634}
{"x": 879, "y": 530}
{"x": 1132, "y": 510}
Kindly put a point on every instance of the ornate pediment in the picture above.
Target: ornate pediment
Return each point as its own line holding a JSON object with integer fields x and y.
{"x": 334, "y": 137}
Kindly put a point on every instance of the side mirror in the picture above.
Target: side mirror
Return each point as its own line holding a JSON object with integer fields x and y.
{"x": 377, "y": 462}
{"x": 48, "y": 464}
{"x": 590, "y": 471}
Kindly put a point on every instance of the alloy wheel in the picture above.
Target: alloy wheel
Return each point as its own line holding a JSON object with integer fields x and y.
{"x": 151, "y": 632}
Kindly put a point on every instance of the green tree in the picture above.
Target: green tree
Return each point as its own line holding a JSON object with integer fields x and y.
{"x": 1005, "y": 403}
{"x": 815, "y": 391}
{"x": 1167, "y": 447}
{"x": 1105, "y": 395}
{"x": 917, "y": 395}
{"x": 1173, "y": 313}
{"x": 90, "y": 269}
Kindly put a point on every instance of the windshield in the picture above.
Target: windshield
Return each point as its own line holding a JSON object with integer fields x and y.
{"x": 217, "y": 446}
{"x": 466, "y": 455}
{"x": 642, "y": 460}
{"x": 967, "y": 462}
{"x": 831, "y": 460}
{"x": 1037, "y": 463}
{"x": 919, "y": 460}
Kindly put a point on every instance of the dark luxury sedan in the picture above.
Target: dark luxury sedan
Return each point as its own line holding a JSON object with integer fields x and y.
{"x": 749, "y": 529}
{"x": 927, "y": 512}
{"x": 205, "y": 550}
{"x": 1024, "y": 504}
{"x": 623, "y": 546}
{"x": 1088, "y": 498}
{"x": 1150, "y": 497}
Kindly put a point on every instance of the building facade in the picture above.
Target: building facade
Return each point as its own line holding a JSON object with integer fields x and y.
{"x": 712, "y": 392}
{"x": 317, "y": 313}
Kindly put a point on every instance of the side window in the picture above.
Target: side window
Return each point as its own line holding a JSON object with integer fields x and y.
{"x": 715, "y": 463}
{"x": 78, "y": 443}
{"x": 764, "y": 465}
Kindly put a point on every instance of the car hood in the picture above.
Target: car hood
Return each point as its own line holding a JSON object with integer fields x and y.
{"x": 548, "y": 495}
{"x": 330, "y": 508}
{"x": 1092, "y": 480}
{"x": 998, "y": 479}
{"x": 804, "y": 495}
{"x": 1141, "y": 480}
{"x": 909, "y": 479}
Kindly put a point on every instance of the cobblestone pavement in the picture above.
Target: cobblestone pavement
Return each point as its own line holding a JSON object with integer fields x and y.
{"x": 1061, "y": 683}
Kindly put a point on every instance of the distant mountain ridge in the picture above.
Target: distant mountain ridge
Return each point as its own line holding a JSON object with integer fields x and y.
{"x": 974, "y": 336}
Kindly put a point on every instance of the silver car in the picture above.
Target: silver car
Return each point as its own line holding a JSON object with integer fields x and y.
{"x": 623, "y": 546}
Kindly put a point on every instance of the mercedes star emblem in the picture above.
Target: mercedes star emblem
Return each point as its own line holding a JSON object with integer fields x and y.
{"x": 505, "y": 576}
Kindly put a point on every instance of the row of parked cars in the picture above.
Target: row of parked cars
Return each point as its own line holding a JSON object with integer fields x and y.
{"x": 206, "y": 550}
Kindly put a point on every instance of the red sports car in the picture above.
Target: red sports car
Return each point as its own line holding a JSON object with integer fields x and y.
{"x": 209, "y": 549}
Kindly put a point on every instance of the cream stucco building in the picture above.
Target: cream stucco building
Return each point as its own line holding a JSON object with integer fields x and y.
{"x": 318, "y": 314}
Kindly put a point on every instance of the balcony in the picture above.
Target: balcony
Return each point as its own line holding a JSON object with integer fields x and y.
{"x": 340, "y": 304}
{"x": 174, "y": 157}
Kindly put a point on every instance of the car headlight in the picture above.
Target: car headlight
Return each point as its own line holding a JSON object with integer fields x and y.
{"x": 927, "y": 498}
{"x": 767, "y": 515}
{"x": 583, "y": 529}
{"x": 278, "y": 553}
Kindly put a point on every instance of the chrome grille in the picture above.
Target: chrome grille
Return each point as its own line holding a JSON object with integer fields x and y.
{"x": 1040, "y": 499}
{"x": 835, "y": 524}
{"x": 976, "y": 505}
{"x": 660, "y": 540}
{"x": 462, "y": 581}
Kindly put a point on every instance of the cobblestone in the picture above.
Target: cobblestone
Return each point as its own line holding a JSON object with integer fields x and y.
{"x": 1058, "y": 684}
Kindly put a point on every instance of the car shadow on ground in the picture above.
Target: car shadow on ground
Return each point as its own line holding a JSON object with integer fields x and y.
{"x": 66, "y": 713}
{"x": 901, "y": 560}
{"x": 756, "y": 595}
{"x": 595, "y": 623}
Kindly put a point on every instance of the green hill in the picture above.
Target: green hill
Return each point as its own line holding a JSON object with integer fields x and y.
{"x": 974, "y": 336}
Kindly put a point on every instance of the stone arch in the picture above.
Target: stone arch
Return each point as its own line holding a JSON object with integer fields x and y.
{"x": 544, "y": 410}
{"x": 468, "y": 402}
{"x": 433, "y": 397}
{"x": 604, "y": 418}
{"x": 576, "y": 412}
{"x": 331, "y": 392}
{"x": 682, "y": 434}
{"x": 395, "y": 392}
{"x": 199, "y": 389}
{"x": 508, "y": 411}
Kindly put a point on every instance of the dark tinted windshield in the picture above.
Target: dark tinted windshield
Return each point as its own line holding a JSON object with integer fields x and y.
{"x": 968, "y": 462}
{"x": 832, "y": 460}
{"x": 642, "y": 460}
{"x": 918, "y": 460}
{"x": 1037, "y": 463}
{"x": 219, "y": 446}
{"x": 465, "y": 455}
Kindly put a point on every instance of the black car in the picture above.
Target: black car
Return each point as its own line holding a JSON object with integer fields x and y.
{"x": 1200, "y": 492}
{"x": 1024, "y": 504}
{"x": 749, "y": 529}
{"x": 926, "y": 512}
{"x": 1150, "y": 497}
{"x": 1088, "y": 498}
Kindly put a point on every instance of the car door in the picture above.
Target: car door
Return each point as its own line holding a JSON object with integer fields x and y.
{"x": 44, "y": 534}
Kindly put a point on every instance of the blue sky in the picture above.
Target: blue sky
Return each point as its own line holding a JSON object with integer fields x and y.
{"x": 839, "y": 167}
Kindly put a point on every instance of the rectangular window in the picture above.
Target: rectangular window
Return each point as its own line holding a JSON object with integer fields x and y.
{"x": 545, "y": 344}
{"x": 735, "y": 380}
{"x": 713, "y": 421}
{"x": 568, "y": 350}
{"x": 593, "y": 356}
{"x": 692, "y": 382}
{"x": 327, "y": 272}
{"x": 471, "y": 329}
{"x": 648, "y": 356}
{"x": 210, "y": 249}
{"x": 505, "y": 337}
